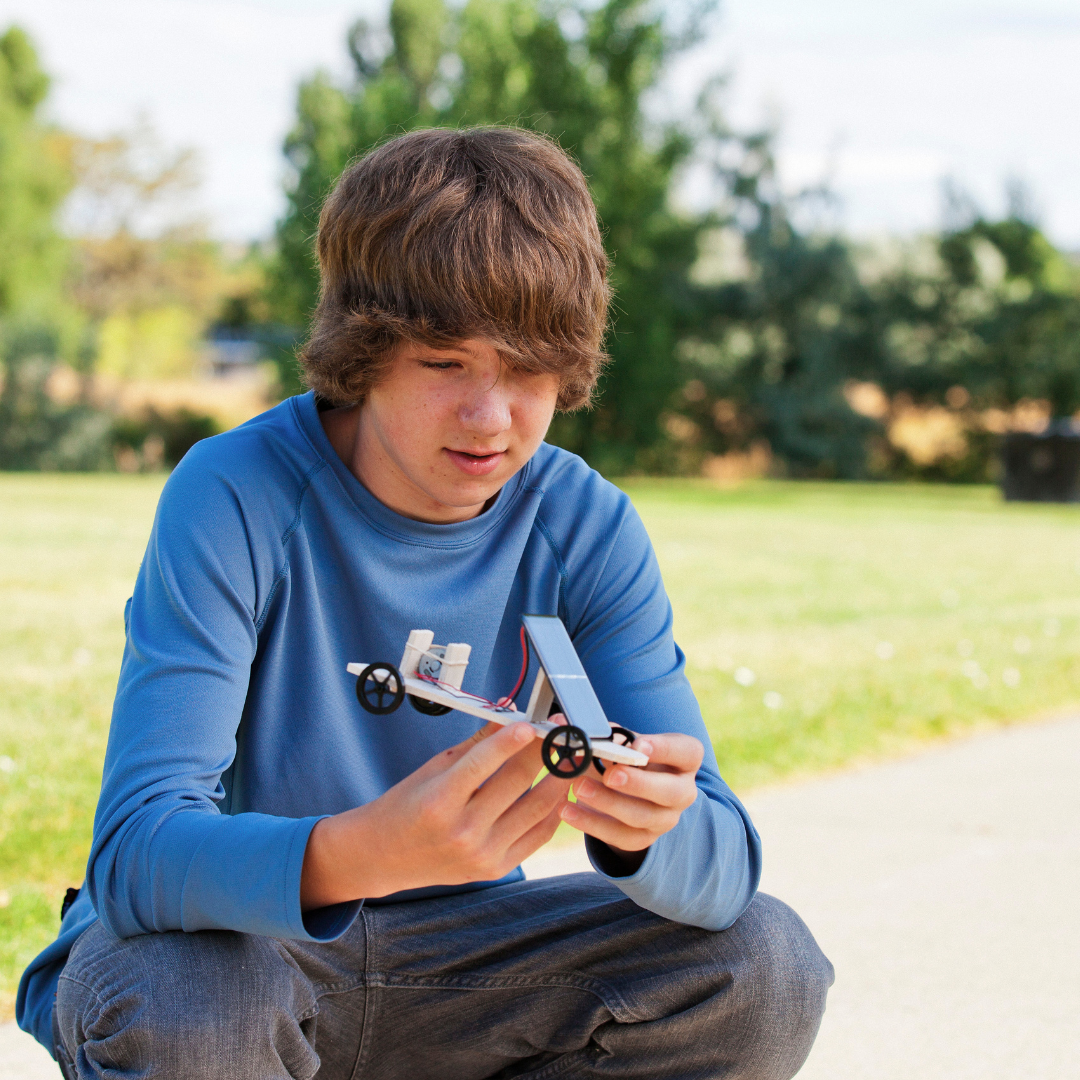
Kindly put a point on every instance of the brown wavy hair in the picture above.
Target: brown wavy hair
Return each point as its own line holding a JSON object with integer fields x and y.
{"x": 442, "y": 235}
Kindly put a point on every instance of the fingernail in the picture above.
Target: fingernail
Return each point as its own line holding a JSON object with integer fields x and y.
{"x": 644, "y": 746}
{"x": 569, "y": 812}
{"x": 585, "y": 788}
{"x": 618, "y": 779}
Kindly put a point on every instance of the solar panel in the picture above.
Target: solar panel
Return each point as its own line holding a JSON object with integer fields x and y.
{"x": 559, "y": 659}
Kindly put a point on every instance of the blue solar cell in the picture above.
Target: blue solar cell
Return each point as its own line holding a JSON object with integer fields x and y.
{"x": 559, "y": 659}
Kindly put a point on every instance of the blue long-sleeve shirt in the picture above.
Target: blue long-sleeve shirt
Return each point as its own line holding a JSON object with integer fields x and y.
{"x": 236, "y": 726}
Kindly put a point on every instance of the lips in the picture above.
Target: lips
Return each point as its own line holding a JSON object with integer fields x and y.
{"x": 476, "y": 464}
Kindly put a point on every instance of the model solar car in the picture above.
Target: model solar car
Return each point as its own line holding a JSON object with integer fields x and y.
{"x": 431, "y": 676}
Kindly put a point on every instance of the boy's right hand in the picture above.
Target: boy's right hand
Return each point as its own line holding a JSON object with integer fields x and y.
{"x": 471, "y": 813}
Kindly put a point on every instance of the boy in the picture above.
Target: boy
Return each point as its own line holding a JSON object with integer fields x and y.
{"x": 281, "y": 884}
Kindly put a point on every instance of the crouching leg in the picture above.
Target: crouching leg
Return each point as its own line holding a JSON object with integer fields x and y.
{"x": 739, "y": 1004}
{"x": 200, "y": 1006}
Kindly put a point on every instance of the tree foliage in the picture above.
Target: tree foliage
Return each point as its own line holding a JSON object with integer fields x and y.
{"x": 35, "y": 178}
{"x": 997, "y": 312}
{"x": 781, "y": 324}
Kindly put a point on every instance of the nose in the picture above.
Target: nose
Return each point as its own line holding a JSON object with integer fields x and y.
{"x": 486, "y": 410}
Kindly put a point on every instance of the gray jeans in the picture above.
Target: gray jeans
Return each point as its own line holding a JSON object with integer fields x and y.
{"x": 557, "y": 977}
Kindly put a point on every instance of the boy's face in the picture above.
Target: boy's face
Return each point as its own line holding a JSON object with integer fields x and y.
{"x": 445, "y": 429}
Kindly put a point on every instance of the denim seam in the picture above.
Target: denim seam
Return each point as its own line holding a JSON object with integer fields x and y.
{"x": 613, "y": 1001}
{"x": 365, "y": 925}
{"x": 342, "y": 986}
{"x": 562, "y": 1064}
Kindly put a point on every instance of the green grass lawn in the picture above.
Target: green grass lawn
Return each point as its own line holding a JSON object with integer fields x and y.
{"x": 868, "y": 617}
{"x": 822, "y": 624}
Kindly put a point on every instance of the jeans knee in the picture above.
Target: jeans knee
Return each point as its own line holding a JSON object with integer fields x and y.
{"x": 786, "y": 968}
{"x": 785, "y": 978}
{"x": 209, "y": 1004}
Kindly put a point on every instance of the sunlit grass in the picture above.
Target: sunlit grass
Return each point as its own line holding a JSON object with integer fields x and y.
{"x": 69, "y": 550}
{"x": 824, "y": 623}
{"x": 856, "y": 610}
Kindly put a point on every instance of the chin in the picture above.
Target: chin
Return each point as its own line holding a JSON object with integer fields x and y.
{"x": 463, "y": 496}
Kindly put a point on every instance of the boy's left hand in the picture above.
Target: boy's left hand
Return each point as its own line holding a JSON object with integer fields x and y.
{"x": 628, "y": 808}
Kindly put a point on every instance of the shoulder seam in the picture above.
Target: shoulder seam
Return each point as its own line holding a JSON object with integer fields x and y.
{"x": 295, "y": 523}
{"x": 607, "y": 559}
{"x": 545, "y": 532}
{"x": 285, "y": 536}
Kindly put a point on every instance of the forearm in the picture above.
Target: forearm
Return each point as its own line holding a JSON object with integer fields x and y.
{"x": 200, "y": 870}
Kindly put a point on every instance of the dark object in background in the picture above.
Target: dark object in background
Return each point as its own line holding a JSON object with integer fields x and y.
{"x": 1043, "y": 467}
{"x": 158, "y": 439}
{"x": 69, "y": 898}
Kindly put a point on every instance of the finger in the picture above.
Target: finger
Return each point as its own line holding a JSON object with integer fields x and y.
{"x": 616, "y": 833}
{"x": 445, "y": 758}
{"x": 676, "y": 789}
{"x": 507, "y": 784}
{"x": 681, "y": 752}
{"x": 537, "y": 806}
{"x": 486, "y": 756}
{"x": 534, "y": 839}
{"x": 637, "y": 813}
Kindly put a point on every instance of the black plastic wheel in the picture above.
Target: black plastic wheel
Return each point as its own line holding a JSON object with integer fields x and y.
{"x": 377, "y": 683}
{"x": 566, "y": 751}
{"x": 627, "y": 737}
{"x": 428, "y": 708}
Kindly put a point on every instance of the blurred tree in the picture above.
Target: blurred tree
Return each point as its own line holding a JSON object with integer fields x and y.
{"x": 38, "y": 427}
{"x": 144, "y": 271}
{"x": 977, "y": 320}
{"x": 35, "y": 178}
{"x": 784, "y": 322}
{"x": 997, "y": 313}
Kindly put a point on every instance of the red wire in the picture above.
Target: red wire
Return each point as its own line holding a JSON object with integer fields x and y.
{"x": 502, "y": 702}
{"x": 524, "y": 668}
{"x": 456, "y": 689}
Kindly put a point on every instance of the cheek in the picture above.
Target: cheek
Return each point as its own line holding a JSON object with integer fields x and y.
{"x": 419, "y": 419}
{"x": 536, "y": 413}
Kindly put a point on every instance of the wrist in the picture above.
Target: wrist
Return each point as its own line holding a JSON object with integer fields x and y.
{"x": 342, "y": 862}
{"x": 612, "y": 861}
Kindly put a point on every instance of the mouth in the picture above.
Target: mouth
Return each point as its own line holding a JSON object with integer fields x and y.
{"x": 476, "y": 464}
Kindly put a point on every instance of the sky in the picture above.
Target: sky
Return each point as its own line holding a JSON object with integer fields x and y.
{"x": 882, "y": 99}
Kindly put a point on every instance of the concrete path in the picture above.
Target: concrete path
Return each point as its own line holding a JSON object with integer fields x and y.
{"x": 945, "y": 888}
{"x": 22, "y": 1059}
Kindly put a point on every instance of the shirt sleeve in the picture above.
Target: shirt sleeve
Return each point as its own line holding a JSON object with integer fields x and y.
{"x": 706, "y": 870}
{"x": 163, "y": 856}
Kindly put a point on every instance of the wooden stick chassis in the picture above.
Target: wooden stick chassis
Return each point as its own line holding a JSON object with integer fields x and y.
{"x": 535, "y": 714}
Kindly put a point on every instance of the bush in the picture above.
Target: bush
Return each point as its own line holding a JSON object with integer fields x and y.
{"x": 156, "y": 439}
{"x": 36, "y": 432}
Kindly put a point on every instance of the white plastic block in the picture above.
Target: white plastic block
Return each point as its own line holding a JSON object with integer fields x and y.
{"x": 419, "y": 642}
{"x": 455, "y": 661}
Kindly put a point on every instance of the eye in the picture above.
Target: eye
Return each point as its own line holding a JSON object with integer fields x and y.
{"x": 439, "y": 365}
